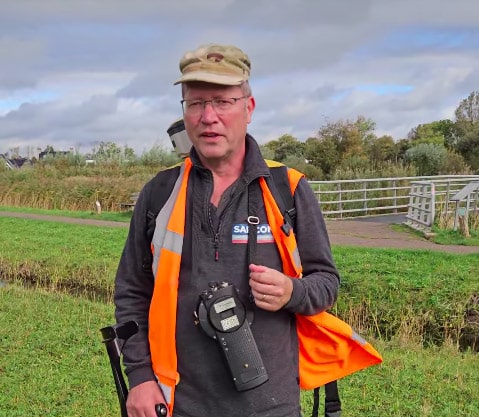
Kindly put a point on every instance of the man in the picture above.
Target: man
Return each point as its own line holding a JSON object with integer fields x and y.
{"x": 207, "y": 235}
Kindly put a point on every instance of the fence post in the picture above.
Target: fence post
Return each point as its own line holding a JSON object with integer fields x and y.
{"x": 340, "y": 200}
{"x": 395, "y": 196}
{"x": 433, "y": 204}
{"x": 365, "y": 197}
{"x": 423, "y": 213}
{"x": 463, "y": 222}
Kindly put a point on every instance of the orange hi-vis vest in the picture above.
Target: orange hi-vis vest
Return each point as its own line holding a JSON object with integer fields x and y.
{"x": 329, "y": 349}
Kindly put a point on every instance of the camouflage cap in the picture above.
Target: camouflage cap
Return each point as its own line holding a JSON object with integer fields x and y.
{"x": 216, "y": 64}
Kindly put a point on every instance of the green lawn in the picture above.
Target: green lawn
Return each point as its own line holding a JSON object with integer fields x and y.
{"x": 53, "y": 363}
{"x": 52, "y": 360}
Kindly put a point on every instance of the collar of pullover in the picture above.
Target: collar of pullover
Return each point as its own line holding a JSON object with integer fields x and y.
{"x": 254, "y": 166}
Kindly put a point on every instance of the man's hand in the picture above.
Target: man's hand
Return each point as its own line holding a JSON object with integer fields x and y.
{"x": 143, "y": 398}
{"x": 271, "y": 289}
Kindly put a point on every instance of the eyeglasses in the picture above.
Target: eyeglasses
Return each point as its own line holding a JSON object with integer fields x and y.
{"x": 220, "y": 105}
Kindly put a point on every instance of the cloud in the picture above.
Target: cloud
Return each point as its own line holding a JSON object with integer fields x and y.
{"x": 76, "y": 73}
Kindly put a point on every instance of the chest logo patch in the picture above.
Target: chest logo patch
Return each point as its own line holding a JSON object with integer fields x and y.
{"x": 240, "y": 233}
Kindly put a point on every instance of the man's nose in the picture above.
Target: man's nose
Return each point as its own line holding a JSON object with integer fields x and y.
{"x": 208, "y": 112}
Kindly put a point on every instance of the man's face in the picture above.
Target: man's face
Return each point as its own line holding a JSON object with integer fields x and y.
{"x": 218, "y": 135}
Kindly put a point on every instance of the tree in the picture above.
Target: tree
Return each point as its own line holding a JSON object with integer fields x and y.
{"x": 400, "y": 149}
{"x": 468, "y": 110}
{"x": 286, "y": 146}
{"x": 159, "y": 157}
{"x": 467, "y": 130}
{"x": 322, "y": 153}
{"x": 448, "y": 129}
{"x": 468, "y": 147}
{"x": 454, "y": 164}
{"x": 111, "y": 152}
{"x": 427, "y": 157}
{"x": 427, "y": 133}
{"x": 129, "y": 153}
{"x": 266, "y": 152}
{"x": 310, "y": 171}
{"x": 350, "y": 138}
{"x": 381, "y": 150}
{"x": 107, "y": 152}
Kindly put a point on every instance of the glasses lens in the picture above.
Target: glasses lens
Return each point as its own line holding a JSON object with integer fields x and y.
{"x": 220, "y": 105}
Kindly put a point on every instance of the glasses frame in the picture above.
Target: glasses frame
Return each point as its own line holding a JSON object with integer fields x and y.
{"x": 212, "y": 102}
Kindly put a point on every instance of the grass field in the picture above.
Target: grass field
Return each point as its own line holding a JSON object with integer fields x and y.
{"x": 52, "y": 361}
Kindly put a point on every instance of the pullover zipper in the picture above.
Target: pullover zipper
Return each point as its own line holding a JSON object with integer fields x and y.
{"x": 216, "y": 239}
{"x": 216, "y": 244}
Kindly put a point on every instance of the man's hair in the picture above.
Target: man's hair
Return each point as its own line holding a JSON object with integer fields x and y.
{"x": 246, "y": 88}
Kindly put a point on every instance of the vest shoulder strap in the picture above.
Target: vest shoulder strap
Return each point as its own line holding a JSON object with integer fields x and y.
{"x": 280, "y": 188}
{"x": 163, "y": 184}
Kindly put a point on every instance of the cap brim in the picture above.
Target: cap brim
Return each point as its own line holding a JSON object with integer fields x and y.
{"x": 208, "y": 77}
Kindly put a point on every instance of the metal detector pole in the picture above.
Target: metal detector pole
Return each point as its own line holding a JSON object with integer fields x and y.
{"x": 112, "y": 337}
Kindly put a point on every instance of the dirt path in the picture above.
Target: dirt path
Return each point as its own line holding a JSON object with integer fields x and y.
{"x": 63, "y": 219}
{"x": 341, "y": 232}
{"x": 382, "y": 235}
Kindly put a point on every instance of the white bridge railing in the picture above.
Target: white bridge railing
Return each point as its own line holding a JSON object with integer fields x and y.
{"x": 373, "y": 196}
{"x": 422, "y": 204}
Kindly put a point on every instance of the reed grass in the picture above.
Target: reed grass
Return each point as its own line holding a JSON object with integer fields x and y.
{"x": 73, "y": 188}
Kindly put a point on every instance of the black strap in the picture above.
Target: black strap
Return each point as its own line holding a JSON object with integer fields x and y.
{"x": 279, "y": 186}
{"x": 315, "y": 412}
{"x": 254, "y": 194}
{"x": 281, "y": 182}
{"x": 161, "y": 190}
{"x": 332, "y": 403}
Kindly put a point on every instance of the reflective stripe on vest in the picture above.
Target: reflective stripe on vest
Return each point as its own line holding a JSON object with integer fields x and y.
{"x": 166, "y": 245}
{"x": 328, "y": 347}
{"x": 286, "y": 244}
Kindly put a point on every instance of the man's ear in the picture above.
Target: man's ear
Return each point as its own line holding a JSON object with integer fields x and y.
{"x": 250, "y": 106}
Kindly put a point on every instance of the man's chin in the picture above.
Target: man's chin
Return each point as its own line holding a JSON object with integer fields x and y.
{"x": 212, "y": 152}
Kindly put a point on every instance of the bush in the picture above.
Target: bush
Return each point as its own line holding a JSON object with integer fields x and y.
{"x": 427, "y": 157}
{"x": 454, "y": 164}
{"x": 158, "y": 156}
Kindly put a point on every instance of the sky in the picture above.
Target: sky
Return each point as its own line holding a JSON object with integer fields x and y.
{"x": 76, "y": 73}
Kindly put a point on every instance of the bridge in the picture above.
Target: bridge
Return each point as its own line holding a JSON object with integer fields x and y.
{"x": 418, "y": 199}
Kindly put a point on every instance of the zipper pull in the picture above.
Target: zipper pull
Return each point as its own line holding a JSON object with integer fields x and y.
{"x": 217, "y": 254}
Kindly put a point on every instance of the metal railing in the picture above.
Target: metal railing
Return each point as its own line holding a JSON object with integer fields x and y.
{"x": 373, "y": 196}
{"x": 427, "y": 197}
{"x": 470, "y": 195}
{"x": 422, "y": 204}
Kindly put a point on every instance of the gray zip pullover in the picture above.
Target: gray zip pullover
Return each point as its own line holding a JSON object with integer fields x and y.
{"x": 215, "y": 249}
